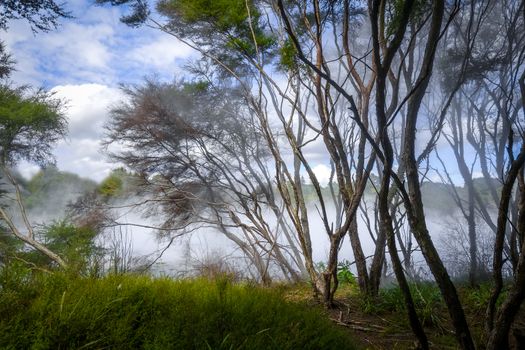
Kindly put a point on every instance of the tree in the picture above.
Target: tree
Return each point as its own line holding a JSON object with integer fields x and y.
{"x": 29, "y": 125}
{"x": 201, "y": 158}
{"x": 42, "y": 15}
{"x": 30, "y": 122}
{"x": 307, "y": 77}
{"x": 240, "y": 43}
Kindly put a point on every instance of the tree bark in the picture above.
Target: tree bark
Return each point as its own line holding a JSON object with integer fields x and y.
{"x": 414, "y": 202}
{"x": 506, "y": 194}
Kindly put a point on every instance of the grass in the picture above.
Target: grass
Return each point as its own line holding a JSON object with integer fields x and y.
{"x": 427, "y": 301}
{"x": 137, "y": 312}
{"x": 388, "y": 310}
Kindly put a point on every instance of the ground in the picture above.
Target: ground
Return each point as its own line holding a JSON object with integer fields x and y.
{"x": 378, "y": 325}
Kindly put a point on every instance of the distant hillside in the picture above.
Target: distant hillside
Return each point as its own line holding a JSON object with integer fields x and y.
{"x": 437, "y": 197}
{"x": 47, "y": 193}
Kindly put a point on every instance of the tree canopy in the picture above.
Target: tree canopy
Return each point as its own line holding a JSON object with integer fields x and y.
{"x": 30, "y": 123}
{"x": 42, "y": 15}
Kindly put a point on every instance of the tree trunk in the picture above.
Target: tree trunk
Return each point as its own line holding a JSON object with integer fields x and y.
{"x": 360, "y": 260}
{"x": 503, "y": 209}
{"x": 388, "y": 231}
{"x": 499, "y": 336}
{"x": 415, "y": 324}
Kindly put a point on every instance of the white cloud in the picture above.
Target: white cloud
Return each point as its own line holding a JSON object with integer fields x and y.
{"x": 161, "y": 53}
{"x": 88, "y": 110}
{"x": 86, "y": 46}
{"x": 93, "y": 47}
{"x": 322, "y": 172}
{"x": 88, "y": 106}
{"x": 84, "y": 157}
{"x": 81, "y": 152}
{"x": 74, "y": 52}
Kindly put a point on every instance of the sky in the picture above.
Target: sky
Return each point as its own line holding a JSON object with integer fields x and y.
{"x": 84, "y": 62}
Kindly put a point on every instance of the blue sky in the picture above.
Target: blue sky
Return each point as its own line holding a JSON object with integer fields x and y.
{"x": 83, "y": 62}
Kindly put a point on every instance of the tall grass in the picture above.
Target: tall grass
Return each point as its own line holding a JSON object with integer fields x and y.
{"x": 137, "y": 312}
{"x": 427, "y": 301}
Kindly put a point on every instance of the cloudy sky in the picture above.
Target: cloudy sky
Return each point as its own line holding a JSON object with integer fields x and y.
{"x": 84, "y": 61}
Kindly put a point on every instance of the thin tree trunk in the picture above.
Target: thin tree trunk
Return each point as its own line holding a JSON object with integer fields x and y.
{"x": 388, "y": 231}
{"x": 359, "y": 256}
{"x": 499, "y": 336}
{"x": 506, "y": 194}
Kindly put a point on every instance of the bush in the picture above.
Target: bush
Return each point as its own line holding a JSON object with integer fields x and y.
{"x": 134, "y": 312}
{"x": 76, "y": 245}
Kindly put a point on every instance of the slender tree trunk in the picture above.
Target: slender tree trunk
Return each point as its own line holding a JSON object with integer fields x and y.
{"x": 414, "y": 202}
{"x": 377, "y": 264}
{"x": 415, "y": 323}
{"x": 506, "y": 194}
{"x": 388, "y": 231}
{"x": 418, "y": 225}
{"x": 359, "y": 256}
{"x": 499, "y": 336}
{"x": 473, "y": 246}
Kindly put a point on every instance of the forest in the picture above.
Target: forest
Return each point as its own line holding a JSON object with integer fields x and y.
{"x": 324, "y": 174}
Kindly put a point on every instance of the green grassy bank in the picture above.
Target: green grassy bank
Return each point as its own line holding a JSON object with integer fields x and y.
{"x": 54, "y": 311}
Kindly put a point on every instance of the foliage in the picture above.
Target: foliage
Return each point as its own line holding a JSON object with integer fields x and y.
{"x": 427, "y": 301}
{"x": 6, "y": 62}
{"x": 139, "y": 11}
{"x": 74, "y": 244}
{"x": 288, "y": 56}
{"x": 42, "y": 15}
{"x": 226, "y": 14}
{"x": 233, "y": 31}
{"x": 112, "y": 185}
{"x": 131, "y": 312}
{"x": 419, "y": 10}
{"x": 9, "y": 245}
{"x": 477, "y": 298}
{"x": 344, "y": 275}
{"x": 29, "y": 124}
{"x": 237, "y": 19}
